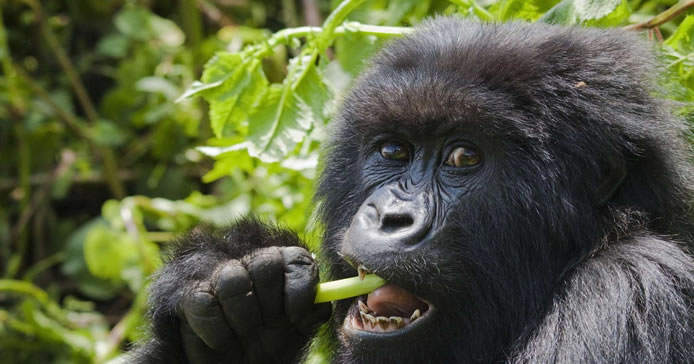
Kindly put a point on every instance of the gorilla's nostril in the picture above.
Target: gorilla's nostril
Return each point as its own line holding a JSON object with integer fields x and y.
{"x": 394, "y": 222}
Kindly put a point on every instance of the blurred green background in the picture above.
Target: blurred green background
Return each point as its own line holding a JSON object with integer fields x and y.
{"x": 102, "y": 161}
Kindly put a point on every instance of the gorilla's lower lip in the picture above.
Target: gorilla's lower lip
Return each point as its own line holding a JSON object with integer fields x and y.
{"x": 394, "y": 312}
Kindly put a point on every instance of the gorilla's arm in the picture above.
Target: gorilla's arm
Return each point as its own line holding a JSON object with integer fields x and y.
{"x": 626, "y": 304}
{"x": 241, "y": 294}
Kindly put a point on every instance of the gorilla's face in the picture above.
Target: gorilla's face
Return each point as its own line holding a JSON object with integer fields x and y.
{"x": 445, "y": 180}
{"x": 412, "y": 182}
{"x": 426, "y": 224}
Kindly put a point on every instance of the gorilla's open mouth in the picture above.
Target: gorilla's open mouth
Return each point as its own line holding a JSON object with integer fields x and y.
{"x": 387, "y": 309}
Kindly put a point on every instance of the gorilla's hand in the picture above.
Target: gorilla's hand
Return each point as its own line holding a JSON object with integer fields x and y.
{"x": 259, "y": 308}
{"x": 242, "y": 294}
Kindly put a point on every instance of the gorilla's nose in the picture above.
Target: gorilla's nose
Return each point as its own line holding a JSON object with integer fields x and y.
{"x": 394, "y": 221}
{"x": 400, "y": 216}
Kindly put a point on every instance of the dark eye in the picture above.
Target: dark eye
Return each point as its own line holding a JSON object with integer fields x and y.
{"x": 463, "y": 157}
{"x": 394, "y": 151}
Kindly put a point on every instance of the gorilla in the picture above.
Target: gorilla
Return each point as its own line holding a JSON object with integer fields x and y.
{"x": 524, "y": 189}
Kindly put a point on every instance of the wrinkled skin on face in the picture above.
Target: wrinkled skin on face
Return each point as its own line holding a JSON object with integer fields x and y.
{"x": 474, "y": 167}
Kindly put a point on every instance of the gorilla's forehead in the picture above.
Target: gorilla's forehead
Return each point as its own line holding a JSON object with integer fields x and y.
{"x": 422, "y": 102}
{"x": 495, "y": 77}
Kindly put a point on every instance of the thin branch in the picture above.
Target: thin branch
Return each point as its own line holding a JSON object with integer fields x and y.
{"x": 67, "y": 159}
{"x": 32, "y": 291}
{"x": 312, "y": 15}
{"x": 43, "y": 264}
{"x": 68, "y": 118}
{"x": 213, "y": 13}
{"x": 65, "y": 62}
{"x": 285, "y": 36}
{"x": 663, "y": 17}
{"x": 107, "y": 157}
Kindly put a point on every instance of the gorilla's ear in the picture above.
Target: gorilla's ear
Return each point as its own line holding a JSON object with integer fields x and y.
{"x": 613, "y": 177}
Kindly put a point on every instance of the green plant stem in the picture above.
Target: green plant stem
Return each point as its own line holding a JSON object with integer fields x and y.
{"x": 34, "y": 292}
{"x": 285, "y": 36}
{"x": 23, "y": 152}
{"x": 375, "y": 30}
{"x": 8, "y": 68}
{"x": 24, "y": 173}
{"x": 663, "y": 17}
{"x": 42, "y": 265}
{"x": 348, "y": 287}
{"x": 479, "y": 11}
{"x": 334, "y": 20}
{"x": 135, "y": 228}
{"x": 67, "y": 159}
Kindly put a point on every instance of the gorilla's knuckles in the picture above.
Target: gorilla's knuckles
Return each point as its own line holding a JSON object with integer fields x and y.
{"x": 266, "y": 269}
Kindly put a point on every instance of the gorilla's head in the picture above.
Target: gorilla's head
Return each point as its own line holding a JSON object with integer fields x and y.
{"x": 474, "y": 165}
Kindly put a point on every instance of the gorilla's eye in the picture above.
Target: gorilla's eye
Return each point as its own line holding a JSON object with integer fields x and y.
{"x": 394, "y": 151}
{"x": 463, "y": 157}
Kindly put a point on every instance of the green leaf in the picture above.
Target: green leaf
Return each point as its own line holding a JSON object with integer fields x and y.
{"x": 594, "y": 9}
{"x": 106, "y": 133}
{"x": 107, "y": 252}
{"x": 133, "y": 21}
{"x": 588, "y": 12}
{"x": 354, "y": 50}
{"x": 217, "y": 70}
{"x": 288, "y": 111}
{"x": 562, "y": 13}
{"x": 139, "y": 23}
{"x": 156, "y": 84}
{"x": 515, "y": 9}
{"x": 616, "y": 17}
{"x": 166, "y": 31}
{"x": 196, "y": 88}
{"x": 241, "y": 86}
{"x": 683, "y": 38}
{"x": 75, "y": 267}
{"x": 113, "y": 45}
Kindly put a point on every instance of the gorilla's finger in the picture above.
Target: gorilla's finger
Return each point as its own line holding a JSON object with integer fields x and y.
{"x": 300, "y": 280}
{"x": 235, "y": 295}
{"x": 197, "y": 352}
{"x": 266, "y": 269}
{"x": 307, "y": 324}
{"x": 206, "y": 319}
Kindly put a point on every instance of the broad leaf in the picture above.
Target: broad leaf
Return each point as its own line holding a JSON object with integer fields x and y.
{"x": 515, "y": 9}
{"x": 288, "y": 111}
{"x": 562, "y": 13}
{"x": 232, "y": 86}
{"x": 594, "y": 9}
{"x": 588, "y": 12}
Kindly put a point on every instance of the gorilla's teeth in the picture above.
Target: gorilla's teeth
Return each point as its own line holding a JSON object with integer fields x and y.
{"x": 363, "y": 307}
{"x": 363, "y": 316}
{"x": 361, "y": 269}
{"x": 397, "y": 321}
{"x": 383, "y": 322}
{"x": 370, "y": 318}
{"x": 415, "y": 315}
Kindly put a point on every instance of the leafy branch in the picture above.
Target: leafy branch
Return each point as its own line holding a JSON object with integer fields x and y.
{"x": 235, "y": 87}
{"x": 663, "y": 17}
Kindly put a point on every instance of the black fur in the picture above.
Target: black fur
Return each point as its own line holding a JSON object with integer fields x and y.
{"x": 529, "y": 269}
{"x": 531, "y": 264}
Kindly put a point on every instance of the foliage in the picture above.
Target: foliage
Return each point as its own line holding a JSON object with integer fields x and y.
{"x": 107, "y": 141}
